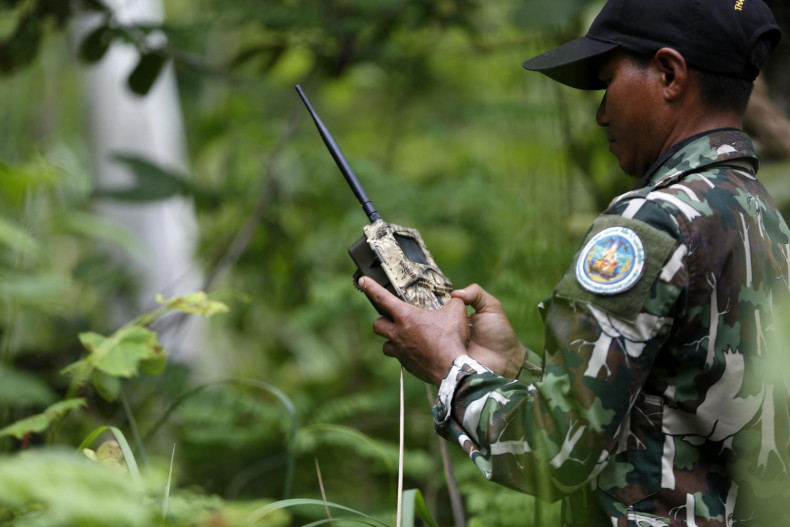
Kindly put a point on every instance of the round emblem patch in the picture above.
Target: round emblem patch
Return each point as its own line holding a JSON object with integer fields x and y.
{"x": 611, "y": 262}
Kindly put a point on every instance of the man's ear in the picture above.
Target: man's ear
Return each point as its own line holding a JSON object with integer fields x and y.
{"x": 674, "y": 72}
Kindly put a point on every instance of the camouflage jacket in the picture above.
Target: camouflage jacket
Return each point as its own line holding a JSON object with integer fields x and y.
{"x": 660, "y": 400}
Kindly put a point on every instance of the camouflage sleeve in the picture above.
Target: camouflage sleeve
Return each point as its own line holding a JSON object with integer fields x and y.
{"x": 550, "y": 436}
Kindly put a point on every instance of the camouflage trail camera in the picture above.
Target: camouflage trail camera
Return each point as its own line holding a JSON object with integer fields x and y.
{"x": 392, "y": 255}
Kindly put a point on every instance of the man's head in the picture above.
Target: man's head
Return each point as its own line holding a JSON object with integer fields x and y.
{"x": 671, "y": 68}
{"x": 716, "y": 36}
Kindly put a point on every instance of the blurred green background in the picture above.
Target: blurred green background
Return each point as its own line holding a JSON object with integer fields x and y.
{"x": 500, "y": 169}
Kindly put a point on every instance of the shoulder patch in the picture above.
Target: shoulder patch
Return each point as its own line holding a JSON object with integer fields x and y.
{"x": 611, "y": 262}
{"x": 617, "y": 266}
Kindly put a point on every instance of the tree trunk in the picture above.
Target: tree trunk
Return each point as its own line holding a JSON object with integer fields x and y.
{"x": 151, "y": 127}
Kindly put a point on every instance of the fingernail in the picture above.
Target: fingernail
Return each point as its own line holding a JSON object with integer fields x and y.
{"x": 361, "y": 282}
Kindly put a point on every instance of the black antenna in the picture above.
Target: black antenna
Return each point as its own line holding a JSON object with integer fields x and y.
{"x": 341, "y": 161}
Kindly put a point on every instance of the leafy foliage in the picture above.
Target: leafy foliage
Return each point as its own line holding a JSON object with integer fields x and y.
{"x": 306, "y": 330}
{"x": 68, "y": 490}
{"x": 72, "y": 490}
{"x": 432, "y": 108}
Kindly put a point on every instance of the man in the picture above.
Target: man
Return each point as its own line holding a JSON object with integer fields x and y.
{"x": 654, "y": 404}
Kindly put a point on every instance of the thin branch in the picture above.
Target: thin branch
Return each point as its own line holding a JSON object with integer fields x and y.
{"x": 242, "y": 239}
{"x": 456, "y": 503}
{"x": 321, "y": 486}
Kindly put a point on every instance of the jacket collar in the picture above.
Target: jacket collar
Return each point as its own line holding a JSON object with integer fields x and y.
{"x": 700, "y": 151}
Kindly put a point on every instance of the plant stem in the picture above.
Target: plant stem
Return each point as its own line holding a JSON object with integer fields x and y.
{"x": 133, "y": 427}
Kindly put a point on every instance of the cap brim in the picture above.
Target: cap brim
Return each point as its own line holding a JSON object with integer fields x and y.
{"x": 574, "y": 63}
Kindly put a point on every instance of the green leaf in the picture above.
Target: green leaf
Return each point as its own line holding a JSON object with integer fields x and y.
{"x": 196, "y": 303}
{"x": 96, "y": 44}
{"x": 146, "y": 72}
{"x": 40, "y": 422}
{"x": 151, "y": 181}
{"x": 414, "y": 503}
{"x": 121, "y": 353}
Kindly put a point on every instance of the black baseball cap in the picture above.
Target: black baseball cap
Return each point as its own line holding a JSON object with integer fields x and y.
{"x": 712, "y": 35}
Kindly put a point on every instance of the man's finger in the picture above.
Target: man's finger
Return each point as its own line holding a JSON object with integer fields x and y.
{"x": 383, "y": 327}
{"x": 389, "y": 349}
{"x": 477, "y": 297}
{"x": 379, "y": 295}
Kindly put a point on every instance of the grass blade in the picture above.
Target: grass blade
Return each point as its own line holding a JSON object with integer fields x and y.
{"x": 414, "y": 506}
{"x": 321, "y": 486}
{"x": 283, "y": 504}
{"x": 166, "y": 503}
{"x": 131, "y": 462}
{"x": 128, "y": 456}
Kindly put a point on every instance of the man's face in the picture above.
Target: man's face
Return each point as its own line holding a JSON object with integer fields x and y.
{"x": 631, "y": 112}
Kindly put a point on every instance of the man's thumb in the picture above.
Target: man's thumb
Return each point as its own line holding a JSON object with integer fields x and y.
{"x": 477, "y": 297}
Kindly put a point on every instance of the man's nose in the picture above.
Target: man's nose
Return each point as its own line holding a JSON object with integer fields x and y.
{"x": 600, "y": 115}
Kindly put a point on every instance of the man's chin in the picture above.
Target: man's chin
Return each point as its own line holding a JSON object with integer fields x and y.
{"x": 628, "y": 169}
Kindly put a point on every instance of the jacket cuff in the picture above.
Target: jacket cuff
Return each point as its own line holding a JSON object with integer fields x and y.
{"x": 463, "y": 366}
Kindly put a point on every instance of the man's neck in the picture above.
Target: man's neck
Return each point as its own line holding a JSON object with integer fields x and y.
{"x": 672, "y": 151}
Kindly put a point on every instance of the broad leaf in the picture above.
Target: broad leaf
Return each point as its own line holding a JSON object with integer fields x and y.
{"x": 146, "y": 72}
{"x": 96, "y": 44}
{"x": 40, "y": 422}
{"x": 121, "y": 353}
{"x": 152, "y": 182}
{"x": 196, "y": 303}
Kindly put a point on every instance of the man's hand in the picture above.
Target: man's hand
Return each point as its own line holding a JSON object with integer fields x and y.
{"x": 493, "y": 344}
{"x": 426, "y": 342}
